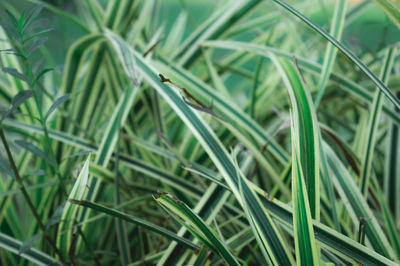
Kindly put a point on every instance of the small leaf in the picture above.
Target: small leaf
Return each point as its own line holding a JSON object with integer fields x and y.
{"x": 12, "y": 18}
{"x": 10, "y": 30}
{"x": 56, "y": 218}
{"x": 14, "y": 72}
{"x": 21, "y": 21}
{"x": 5, "y": 167}
{"x": 17, "y": 54}
{"x": 28, "y": 244}
{"x": 36, "y": 44}
{"x": 21, "y": 97}
{"x": 32, "y": 15}
{"x": 18, "y": 99}
{"x": 40, "y": 23}
{"x": 43, "y": 72}
{"x": 77, "y": 154}
{"x": 55, "y": 104}
{"x": 39, "y": 172}
{"x": 6, "y": 50}
{"x": 35, "y": 150}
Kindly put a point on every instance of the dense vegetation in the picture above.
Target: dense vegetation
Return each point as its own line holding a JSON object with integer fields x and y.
{"x": 188, "y": 133}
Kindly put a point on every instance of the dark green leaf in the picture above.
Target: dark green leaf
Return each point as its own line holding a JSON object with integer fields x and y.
{"x": 33, "y": 255}
{"x": 6, "y": 50}
{"x": 28, "y": 244}
{"x": 35, "y": 150}
{"x": 5, "y": 167}
{"x": 77, "y": 154}
{"x": 43, "y": 72}
{"x": 135, "y": 220}
{"x": 56, "y": 104}
{"x": 18, "y": 99}
{"x": 15, "y": 73}
{"x": 39, "y": 172}
{"x": 32, "y": 16}
{"x": 10, "y": 30}
{"x": 21, "y": 21}
{"x": 55, "y": 219}
{"x": 36, "y": 44}
{"x": 40, "y": 23}
{"x": 12, "y": 18}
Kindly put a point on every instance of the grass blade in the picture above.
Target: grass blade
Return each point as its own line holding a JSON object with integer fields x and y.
{"x": 33, "y": 255}
{"x": 186, "y": 217}
{"x": 305, "y": 164}
{"x": 391, "y": 9}
{"x": 331, "y": 51}
{"x": 69, "y": 214}
{"x": 356, "y": 205}
{"x": 373, "y": 122}
{"x": 305, "y": 126}
{"x": 132, "y": 219}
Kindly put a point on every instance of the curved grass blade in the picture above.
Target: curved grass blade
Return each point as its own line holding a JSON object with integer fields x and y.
{"x": 56, "y": 104}
{"x": 18, "y": 99}
{"x": 133, "y": 219}
{"x": 305, "y": 163}
{"x": 392, "y": 170}
{"x": 304, "y": 132}
{"x": 194, "y": 224}
{"x": 261, "y": 223}
{"x": 344, "y": 50}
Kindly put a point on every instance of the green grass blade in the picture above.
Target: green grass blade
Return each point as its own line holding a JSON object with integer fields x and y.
{"x": 305, "y": 164}
{"x": 356, "y": 204}
{"x": 70, "y": 211}
{"x": 186, "y": 217}
{"x": 262, "y": 225}
{"x": 392, "y": 170}
{"x": 373, "y": 122}
{"x": 344, "y": 50}
{"x": 135, "y": 220}
{"x": 306, "y": 250}
{"x": 305, "y": 133}
{"x": 391, "y": 9}
{"x": 331, "y": 51}
{"x": 392, "y": 231}
{"x": 33, "y": 255}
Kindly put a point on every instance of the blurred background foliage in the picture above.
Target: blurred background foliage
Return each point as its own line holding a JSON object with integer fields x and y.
{"x": 369, "y": 32}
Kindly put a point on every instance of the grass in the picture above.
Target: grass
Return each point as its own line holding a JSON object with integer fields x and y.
{"x": 255, "y": 132}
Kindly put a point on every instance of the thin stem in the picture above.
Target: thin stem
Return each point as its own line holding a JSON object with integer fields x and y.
{"x": 26, "y": 196}
{"x": 47, "y": 143}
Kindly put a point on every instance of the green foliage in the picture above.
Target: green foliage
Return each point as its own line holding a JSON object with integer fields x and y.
{"x": 159, "y": 92}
